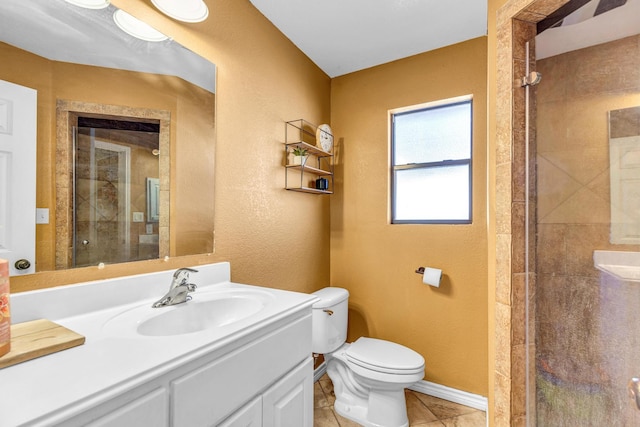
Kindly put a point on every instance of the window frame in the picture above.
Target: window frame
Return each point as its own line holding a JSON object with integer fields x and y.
{"x": 451, "y": 102}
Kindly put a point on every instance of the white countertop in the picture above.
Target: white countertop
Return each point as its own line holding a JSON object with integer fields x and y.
{"x": 40, "y": 391}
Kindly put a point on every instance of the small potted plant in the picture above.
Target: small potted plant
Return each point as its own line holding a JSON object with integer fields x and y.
{"x": 299, "y": 156}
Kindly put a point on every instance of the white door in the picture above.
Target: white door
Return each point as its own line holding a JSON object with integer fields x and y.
{"x": 17, "y": 175}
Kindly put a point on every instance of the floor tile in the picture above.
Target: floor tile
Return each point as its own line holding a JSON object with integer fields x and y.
{"x": 324, "y": 417}
{"x": 418, "y": 413}
{"x": 474, "y": 419}
{"x": 344, "y": 422}
{"x": 443, "y": 408}
{"x": 422, "y": 410}
{"x": 327, "y": 388}
{"x": 319, "y": 397}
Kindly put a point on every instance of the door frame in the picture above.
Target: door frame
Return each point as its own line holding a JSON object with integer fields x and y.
{"x": 67, "y": 113}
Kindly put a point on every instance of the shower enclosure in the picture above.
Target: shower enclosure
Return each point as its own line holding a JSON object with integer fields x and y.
{"x": 113, "y": 202}
{"x": 584, "y": 228}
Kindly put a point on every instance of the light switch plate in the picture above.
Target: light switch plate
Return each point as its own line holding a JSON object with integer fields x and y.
{"x": 138, "y": 217}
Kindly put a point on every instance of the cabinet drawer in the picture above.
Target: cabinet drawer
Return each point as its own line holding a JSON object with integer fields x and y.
{"x": 211, "y": 393}
{"x": 150, "y": 409}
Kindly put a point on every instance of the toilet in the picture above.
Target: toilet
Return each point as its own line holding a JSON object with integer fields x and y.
{"x": 369, "y": 375}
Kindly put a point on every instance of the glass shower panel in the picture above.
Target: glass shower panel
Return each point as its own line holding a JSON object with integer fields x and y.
{"x": 587, "y": 203}
{"x": 101, "y": 199}
{"x": 113, "y": 219}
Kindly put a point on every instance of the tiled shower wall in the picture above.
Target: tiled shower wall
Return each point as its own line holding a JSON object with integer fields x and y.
{"x": 581, "y": 319}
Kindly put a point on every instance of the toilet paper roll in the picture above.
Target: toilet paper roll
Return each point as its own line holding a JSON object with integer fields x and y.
{"x": 432, "y": 276}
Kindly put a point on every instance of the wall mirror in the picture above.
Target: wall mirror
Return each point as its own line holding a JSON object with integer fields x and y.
{"x": 125, "y": 135}
{"x": 624, "y": 174}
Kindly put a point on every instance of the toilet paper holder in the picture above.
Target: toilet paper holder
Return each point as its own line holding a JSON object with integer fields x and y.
{"x": 430, "y": 276}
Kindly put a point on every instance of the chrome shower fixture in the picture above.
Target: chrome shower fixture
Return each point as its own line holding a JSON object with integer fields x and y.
{"x": 532, "y": 79}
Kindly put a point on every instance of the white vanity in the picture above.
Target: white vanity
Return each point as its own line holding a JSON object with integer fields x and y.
{"x": 235, "y": 355}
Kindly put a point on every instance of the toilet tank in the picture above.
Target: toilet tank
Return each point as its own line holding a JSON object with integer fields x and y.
{"x": 329, "y": 320}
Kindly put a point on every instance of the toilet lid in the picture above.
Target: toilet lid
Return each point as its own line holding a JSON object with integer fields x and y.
{"x": 384, "y": 356}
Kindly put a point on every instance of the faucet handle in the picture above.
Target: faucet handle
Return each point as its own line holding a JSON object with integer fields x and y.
{"x": 181, "y": 275}
{"x": 186, "y": 270}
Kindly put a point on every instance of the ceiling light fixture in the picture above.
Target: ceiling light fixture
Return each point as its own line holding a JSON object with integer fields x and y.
{"x": 90, "y": 4}
{"x": 183, "y": 10}
{"x": 136, "y": 28}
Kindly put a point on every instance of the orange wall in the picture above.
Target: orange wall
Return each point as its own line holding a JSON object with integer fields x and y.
{"x": 376, "y": 261}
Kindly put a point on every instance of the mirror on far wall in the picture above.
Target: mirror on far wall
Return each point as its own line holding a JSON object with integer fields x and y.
{"x": 624, "y": 174}
{"x": 125, "y": 135}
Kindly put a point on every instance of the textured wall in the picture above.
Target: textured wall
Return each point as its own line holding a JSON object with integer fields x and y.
{"x": 376, "y": 261}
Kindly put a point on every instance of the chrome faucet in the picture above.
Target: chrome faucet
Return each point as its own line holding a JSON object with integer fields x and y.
{"x": 179, "y": 289}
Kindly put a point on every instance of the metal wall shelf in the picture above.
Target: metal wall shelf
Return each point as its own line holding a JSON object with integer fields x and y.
{"x": 302, "y": 134}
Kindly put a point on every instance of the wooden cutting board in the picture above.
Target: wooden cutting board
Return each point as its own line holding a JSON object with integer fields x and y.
{"x": 38, "y": 338}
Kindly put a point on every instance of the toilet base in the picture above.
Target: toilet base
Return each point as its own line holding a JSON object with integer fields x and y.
{"x": 384, "y": 409}
{"x": 367, "y": 402}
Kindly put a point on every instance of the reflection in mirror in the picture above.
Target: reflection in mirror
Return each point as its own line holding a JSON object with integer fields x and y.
{"x": 58, "y": 49}
{"x": 624, "y": 173}
{"x": 113, "y": 158}
{"x": 153, "y": 199}
{"x": 104, "y": 153}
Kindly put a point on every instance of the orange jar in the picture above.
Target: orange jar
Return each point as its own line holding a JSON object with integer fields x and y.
{"x": 5, "y": 313}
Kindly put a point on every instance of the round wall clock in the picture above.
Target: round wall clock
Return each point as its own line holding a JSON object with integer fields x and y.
{"x": 324, "y": 138}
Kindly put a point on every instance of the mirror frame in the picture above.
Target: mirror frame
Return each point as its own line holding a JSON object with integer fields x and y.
{"x": 67, "y": 112}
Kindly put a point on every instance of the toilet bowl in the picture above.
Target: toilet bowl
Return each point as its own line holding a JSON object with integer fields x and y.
{"x": 369, "y": 375}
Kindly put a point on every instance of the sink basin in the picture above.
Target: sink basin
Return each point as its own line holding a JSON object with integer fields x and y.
{"x": 196, "y": 316}
{"x": 204, "y": 312}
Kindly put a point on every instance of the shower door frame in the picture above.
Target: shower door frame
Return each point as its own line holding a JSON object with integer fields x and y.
{"x": 514, "y": 279}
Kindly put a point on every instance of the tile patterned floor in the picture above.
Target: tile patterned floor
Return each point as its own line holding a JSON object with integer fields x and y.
{"x": 423, "y": 410}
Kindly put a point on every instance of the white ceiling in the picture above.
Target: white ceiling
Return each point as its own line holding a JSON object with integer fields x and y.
{"x": 343, "y": 36}
{"x": 60, "y": 31}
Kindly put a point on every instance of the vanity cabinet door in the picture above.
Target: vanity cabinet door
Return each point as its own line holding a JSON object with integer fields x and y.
{"x": 207, "y": 395}
{"x": 289, "y": 402}
{"x": 250, "y": 415}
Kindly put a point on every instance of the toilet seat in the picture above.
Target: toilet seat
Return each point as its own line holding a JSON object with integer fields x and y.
{"x": 384, "y": 357}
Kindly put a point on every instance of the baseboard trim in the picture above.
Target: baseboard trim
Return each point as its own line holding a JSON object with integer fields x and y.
{"x": 432, "y": 389}
{"x": 319, "y": 371}
{"x": 451, "y": 394}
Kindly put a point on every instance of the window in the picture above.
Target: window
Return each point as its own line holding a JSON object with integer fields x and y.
{"x": 431, "y": 163}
